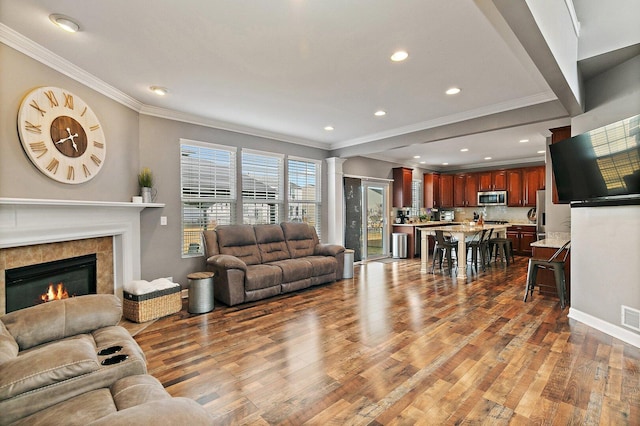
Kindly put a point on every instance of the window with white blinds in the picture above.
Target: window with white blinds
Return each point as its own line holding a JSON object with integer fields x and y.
{"x": 262, "y": 187}
{"x": 304, "y": 194}
{"x": 208, "y": 190}
{"x": 416, "y": 198}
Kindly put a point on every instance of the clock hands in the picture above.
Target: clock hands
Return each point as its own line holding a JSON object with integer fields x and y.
{"x": 70, "y": 137}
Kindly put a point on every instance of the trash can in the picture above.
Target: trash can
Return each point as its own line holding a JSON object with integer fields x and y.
{"x": 348, "y": 264}
{"x": 200, "y": 292}
{"x": 399, "y": 245}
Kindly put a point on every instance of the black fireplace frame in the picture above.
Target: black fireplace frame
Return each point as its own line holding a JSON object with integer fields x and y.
{"x": 16, "y": 277}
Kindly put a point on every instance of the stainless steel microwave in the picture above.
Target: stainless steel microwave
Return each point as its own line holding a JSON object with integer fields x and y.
{"x": 492, "y": 198}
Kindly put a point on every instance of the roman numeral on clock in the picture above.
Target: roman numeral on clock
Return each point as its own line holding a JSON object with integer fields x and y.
{"x": 68, "y": 101}
{"x": 94, "y": 127}
{"x": 71, "y": 175}
{"x": 86, "y": 171}
{"x": 95, "y": 160}
{"x": 39, "y": 147}
{"x": 53, "y": 165}
{"x": 35, "y": 106}
{"x": 33, "y": 128}
{"x": 52, "y": 98}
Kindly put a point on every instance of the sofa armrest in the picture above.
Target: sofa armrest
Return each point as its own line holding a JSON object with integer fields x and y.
{"x": 50, "y": 364}
{"x": 62, "y": 318}
{"x": 225, "y": 261}
{"x": 328, "y": 249}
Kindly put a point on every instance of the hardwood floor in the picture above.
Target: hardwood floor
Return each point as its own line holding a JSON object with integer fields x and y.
{"x": 394, "y": 346}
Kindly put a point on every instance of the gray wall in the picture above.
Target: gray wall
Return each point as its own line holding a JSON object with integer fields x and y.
{"x": 160, "y": 150}
{"x": 606, "y": 240}
{"x": 19, "y": 178}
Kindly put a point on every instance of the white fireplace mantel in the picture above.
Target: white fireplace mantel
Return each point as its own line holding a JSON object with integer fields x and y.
{"x": 25, "y": 221}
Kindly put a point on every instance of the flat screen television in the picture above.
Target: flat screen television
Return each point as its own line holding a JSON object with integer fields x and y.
{"x": 600, "y": 167}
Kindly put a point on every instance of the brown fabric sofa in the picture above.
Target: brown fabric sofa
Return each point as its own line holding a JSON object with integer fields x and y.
{"x": 133, "y": 400}
{"x": 253, "y": 262}
{"x": 49, "y": 353}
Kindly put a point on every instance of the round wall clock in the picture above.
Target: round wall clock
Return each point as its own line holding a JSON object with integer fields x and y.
{"x": 61, "y": 135}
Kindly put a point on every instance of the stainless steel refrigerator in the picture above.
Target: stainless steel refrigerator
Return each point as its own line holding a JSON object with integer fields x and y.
{"x": 540, "y": 215}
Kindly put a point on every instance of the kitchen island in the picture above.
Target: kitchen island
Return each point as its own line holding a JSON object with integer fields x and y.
{"x": 413, "y": 234}
{"x": 459, "y": 232}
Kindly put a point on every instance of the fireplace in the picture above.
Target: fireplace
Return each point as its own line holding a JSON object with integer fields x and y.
{"x": 34, "y": 284}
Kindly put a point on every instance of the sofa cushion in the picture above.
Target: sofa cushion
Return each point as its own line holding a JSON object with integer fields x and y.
{"x": 62, "y": 318}
{"x": 322, "y": 265}
{"x": 8, "y": 346}
{"x": 262, "y": 276}
{"x": 301, "y": 238}
{"x": 271, "y": 243}
{"x": 239, "y": 241}
{"x": 47, "y": 365}
{"x": 294, "y": 269}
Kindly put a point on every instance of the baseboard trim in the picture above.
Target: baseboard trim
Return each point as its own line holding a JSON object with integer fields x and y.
{"x": 613, "y": 330}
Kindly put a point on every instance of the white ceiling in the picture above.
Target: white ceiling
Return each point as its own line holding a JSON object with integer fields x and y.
{"x": 286, "y": 69}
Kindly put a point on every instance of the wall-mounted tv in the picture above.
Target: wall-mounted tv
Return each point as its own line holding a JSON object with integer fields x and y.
{"x": 600, "y": 167}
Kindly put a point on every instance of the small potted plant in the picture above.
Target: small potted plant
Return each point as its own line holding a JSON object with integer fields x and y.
{"x": 145, "y": 180}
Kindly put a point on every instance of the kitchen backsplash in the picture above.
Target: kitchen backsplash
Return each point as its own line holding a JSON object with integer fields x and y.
{"x": 511, "y": 214}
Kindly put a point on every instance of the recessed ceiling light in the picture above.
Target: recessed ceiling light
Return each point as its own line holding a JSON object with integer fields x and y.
{"x": 64, "y": 22}
{"x": 380, "y": 113}
{"x": 416, "y": 156}
{"x": 328, "y": 128}
{"x": 541, "y": 152}
{"x": 464, "y": 150}
{"x": 453, "y": 91}
{"x": 423, "y": 162}
{"x": 487, "y": 158}
{"x": 445, "y": 164}
{"x": 160, "y": 91}
{"x": 399, "y": 56}
{"x": 524, "y": 140}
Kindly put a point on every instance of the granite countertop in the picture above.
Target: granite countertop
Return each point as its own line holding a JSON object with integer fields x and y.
{"x": 554, "y": 240}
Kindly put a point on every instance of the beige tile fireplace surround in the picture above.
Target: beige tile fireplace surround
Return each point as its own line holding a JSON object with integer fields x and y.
{"x": 102, "y": 247}
{"x": 34, "y": 231}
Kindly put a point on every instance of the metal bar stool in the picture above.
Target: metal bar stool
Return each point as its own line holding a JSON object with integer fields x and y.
{"x": 558, "y": 272}
{"x": 503, "y": 247}
{"x": 443, "y": 249}
{"x": 480, "y": 244}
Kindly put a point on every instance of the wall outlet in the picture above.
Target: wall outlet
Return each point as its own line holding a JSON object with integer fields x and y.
{"x": 163, "y": 220}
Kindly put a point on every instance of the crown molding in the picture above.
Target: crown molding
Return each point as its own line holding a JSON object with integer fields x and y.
{"x": 184, "y": 117}
{"x": 509, "y": 105}
{"x": 35, "y": 51}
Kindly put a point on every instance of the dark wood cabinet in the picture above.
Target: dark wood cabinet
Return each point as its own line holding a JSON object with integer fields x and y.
{"x": 558, "y": 134}
{"x": 446, "y": 191}
{"x": 465, "y": 190}
{"x": 522, "y": 185}
{"x": 431, "y": 189}
{"x": 522, "y": 236}
{"x": 492, "y": 180}
{"x": 402, "y": 178}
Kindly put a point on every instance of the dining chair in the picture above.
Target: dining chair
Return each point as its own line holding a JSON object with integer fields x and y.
{"x": 553, "y": 263}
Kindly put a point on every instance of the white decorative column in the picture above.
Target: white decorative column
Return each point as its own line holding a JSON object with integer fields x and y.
{"x": 335, "y": 202}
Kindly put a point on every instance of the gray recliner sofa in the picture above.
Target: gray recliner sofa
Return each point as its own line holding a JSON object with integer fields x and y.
{"x": 253, "y": 262}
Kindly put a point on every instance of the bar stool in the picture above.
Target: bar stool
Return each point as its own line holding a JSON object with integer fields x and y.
{"x": 443, "y": 250}
{"x": 558, "y": 272}
{"x": 502, "y": 246}
{"x": 480, "y": 245}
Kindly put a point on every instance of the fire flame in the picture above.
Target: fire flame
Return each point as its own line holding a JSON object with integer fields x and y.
{"x": 55, "y": 293}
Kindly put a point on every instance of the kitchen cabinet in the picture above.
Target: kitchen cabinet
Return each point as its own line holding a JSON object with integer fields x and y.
{"x": 402, "y": 178}
{"x": 411, "y": 242}
{"x": 522, "y": 184}
{"x": 446, "y": 191}
{"x": 431, "y": 189}
{"x": 492, "y": 180}
{"x": 522, "y": 236}
{"x": 465, "y": 190}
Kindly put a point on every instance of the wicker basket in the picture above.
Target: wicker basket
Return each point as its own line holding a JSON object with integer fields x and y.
{"x": 150, "y": 306}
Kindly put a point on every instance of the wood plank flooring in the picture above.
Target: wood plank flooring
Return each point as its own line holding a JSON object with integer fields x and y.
{"x": 393, "y": 346}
